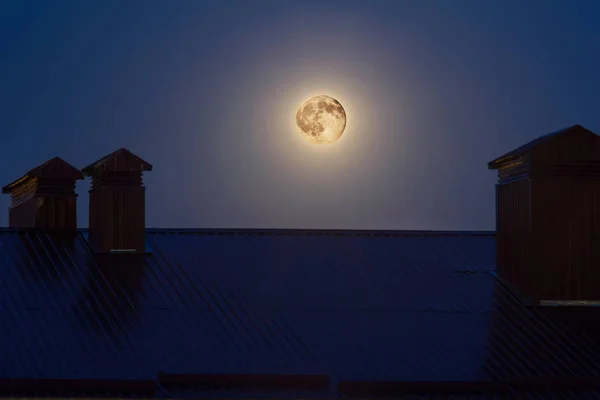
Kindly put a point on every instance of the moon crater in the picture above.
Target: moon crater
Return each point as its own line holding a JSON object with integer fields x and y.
{"x": 321, "y": 119}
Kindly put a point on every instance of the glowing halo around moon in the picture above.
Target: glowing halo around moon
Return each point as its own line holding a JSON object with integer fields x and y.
{"x": 321, "y": 119}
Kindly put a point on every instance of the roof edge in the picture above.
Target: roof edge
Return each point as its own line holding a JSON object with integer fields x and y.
{"x": 282, "y": 232}
{"x": 515, "y": 153}
{"x": 36, "y": 173}
{"x": 344, "y": 232}
{"x": 8, "y": 188}
{"x": 89, "y": 170}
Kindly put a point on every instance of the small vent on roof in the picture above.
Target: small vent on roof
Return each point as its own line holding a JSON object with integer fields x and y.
{"x": 117, "y": 202}
{"x": 45, "y": 197}
{"x": 547, "y": 220}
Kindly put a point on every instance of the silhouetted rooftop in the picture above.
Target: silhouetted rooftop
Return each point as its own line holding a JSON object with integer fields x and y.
{"x": 53, "y": 168}
{"x": 346, "y": 307}
{"x": 535, "y": 142}
{"x": 121, "y": 159}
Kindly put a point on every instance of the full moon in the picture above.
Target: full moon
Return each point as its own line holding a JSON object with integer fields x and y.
{"x": 321, "y": 119}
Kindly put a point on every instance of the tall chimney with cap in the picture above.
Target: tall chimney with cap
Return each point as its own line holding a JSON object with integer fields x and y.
{"x": 44, "y": 197}
{"x": 117, "y": 219}
{"x": 548, "y": 218}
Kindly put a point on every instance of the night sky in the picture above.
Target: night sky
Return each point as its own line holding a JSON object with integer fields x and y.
{"x": 207, "y": 91}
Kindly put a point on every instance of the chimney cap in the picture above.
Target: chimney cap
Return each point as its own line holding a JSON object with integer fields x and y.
{"x": 55, "y": 168}
{"x": 120, "y": 160}
{"x": 527, "y": 147}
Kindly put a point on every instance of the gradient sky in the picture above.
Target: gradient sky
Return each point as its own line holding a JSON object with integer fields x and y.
{"x": 207, "y": 90}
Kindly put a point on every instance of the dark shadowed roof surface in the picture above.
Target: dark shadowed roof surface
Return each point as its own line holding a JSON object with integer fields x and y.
{"x": 121, "y": 159}
{"x": 356, "y": 306}
{"x": 536, "y": 142}
{"x": 53, "y": 168}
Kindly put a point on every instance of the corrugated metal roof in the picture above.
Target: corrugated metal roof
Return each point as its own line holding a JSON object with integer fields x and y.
{"x": 396, "y": 307}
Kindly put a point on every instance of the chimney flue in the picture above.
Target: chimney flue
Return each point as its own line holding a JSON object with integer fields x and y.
{"x": 44, "y": 198}
{"x": 548, "y": 218}
{"x": 117, "y": 221}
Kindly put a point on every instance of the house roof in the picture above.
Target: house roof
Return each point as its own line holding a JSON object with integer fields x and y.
{"x": 351, "y": 309}
{"x": 53, "y": 168}
{"x": 495, "y": 164}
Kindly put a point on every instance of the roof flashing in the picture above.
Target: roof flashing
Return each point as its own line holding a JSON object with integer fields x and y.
{"x": 148, "y": 248}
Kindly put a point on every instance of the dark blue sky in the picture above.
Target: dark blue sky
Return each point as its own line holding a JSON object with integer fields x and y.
{"x": 206, "y": 91}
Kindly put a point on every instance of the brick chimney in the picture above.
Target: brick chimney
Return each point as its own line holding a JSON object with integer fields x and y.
{"x": 45, "y": 197}
{"x": 548, "y": 217}
{"x": 117, "y": 203}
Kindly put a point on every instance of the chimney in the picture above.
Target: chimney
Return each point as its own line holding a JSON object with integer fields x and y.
{"x": 548, "y": 218}
{"x": 117, "y": 220}
{"x": 44, "y": 197}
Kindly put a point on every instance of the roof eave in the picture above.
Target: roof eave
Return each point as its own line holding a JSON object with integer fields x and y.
{"x": 10, "y": 187}
{"x": 88, "y": 171}
{"x": 497, "y": 163}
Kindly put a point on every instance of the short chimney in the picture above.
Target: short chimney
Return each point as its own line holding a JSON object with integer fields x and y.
{"x": 117, "y": 220}
{"x": 548, "y": 218}
{"x": 44, "y": 198}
